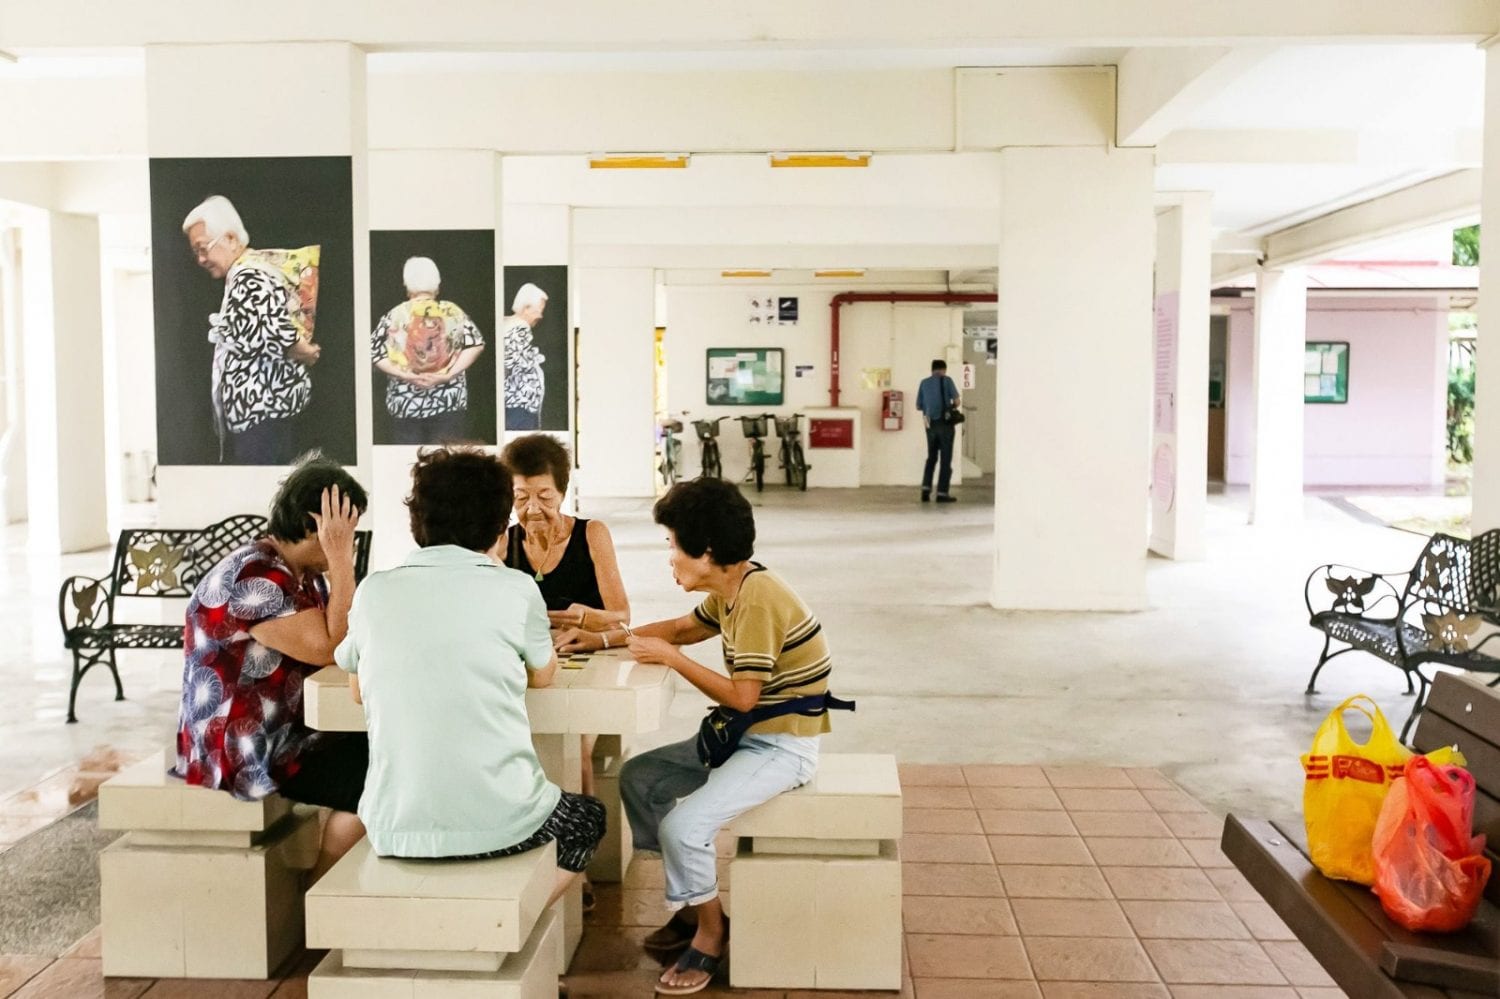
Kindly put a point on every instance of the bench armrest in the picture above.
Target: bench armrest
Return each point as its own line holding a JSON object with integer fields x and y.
{"x": 82, "y": 601}
{"x": 1347, "y": 590}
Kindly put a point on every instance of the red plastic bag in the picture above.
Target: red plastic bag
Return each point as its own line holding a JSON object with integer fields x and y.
{"x": 1430, "y": 870}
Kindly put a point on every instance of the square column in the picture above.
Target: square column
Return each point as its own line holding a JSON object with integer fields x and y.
{"x": 1487, "y": 374}
{"x": 616, "y": 373}
{"x": 64, "y": 378}
{"x": 1077, "y": 240}
{"x": 430, "y": 202}
{"x": 1280, "y": 342}
{"x": 245, "y": 102}
{"x": 1179, "y": 439}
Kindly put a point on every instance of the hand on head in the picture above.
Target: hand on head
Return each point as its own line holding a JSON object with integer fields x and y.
{"x": 336, "y": 526}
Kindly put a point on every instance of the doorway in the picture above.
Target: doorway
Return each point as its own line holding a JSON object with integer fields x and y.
{"x": 1218, "y": 360}
{"x": 976, "y": 384}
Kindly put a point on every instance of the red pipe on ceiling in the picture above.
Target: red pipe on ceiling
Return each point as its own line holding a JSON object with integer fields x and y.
{"x": 848, "y": 297}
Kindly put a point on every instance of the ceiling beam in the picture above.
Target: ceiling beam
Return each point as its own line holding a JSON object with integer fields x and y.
{"x": 1444, "y": 200}
{"x": 676, "y": 25}
{"x": 1456, "y": 148}
{"x": 1160, "y": 88}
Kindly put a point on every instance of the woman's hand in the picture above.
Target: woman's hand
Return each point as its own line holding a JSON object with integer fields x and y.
{"x": 652, "y": 651}
{"x": 576, "y": 616}
{"x": 578, "y": 640}
{"x": 336, "y": 526}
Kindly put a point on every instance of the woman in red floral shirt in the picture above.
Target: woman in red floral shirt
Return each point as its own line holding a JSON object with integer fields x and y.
{"x": 259, "y": 622}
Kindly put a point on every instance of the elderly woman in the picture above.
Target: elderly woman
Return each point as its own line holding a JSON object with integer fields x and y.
{"x": 525, "y": 384}
{"x": 425, "y": 345}
{"x": 261, "y": 336}
{"x": 258, "y": 623}
{"x": 442, "y": 649}
{"x": 775, "y": 654}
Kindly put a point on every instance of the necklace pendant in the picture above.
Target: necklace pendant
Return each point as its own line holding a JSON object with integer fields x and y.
{"x": 539, "y": 575}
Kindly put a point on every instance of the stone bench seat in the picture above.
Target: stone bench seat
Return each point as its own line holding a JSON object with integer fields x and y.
{"x": 200, "y": 885}
{"x": 435, "y": 927}
{"x": 817, "y": 881}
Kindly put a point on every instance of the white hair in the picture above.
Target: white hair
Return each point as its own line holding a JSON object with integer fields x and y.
{"x": 527, "y": 294}
{"x": 421, "y": 275}
{"x": 218, "y": 216}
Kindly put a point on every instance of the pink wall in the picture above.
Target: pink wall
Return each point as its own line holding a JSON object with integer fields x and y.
{"x": 1391, "y": 431}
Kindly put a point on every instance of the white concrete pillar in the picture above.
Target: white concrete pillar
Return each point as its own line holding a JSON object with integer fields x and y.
{"x": 64, "y": 374}
{"x": 1179, "y": 440}
{"x": 616, "y": 370}
{"x": 1077, "y": 239}
{"x": 13, "y": 439}
{"x": 219, "y": 101}
{"x": 1280, "y": 344}
{"x": 1486, "y": 486}
{"x": 424, "y": 189}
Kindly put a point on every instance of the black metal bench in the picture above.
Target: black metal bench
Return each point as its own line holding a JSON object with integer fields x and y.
{"x": 161, "y": 563}
{"x": 1342, "y": 924}
{"x": 1432, "y": 618}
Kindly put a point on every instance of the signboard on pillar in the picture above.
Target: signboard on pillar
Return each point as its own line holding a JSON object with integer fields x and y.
{"x": 253, "y": 285}
{"x": 434, "y": 346}
{"x": 535, "y": 342}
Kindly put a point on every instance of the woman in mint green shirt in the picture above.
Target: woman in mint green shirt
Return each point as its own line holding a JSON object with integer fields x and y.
{"x": 442, "y": 649}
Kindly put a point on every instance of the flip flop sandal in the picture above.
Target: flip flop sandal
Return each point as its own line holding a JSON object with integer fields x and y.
{"x": 693, "y": 959}
{"x": 588, "y": 897}
{"x": 678, "y": 933}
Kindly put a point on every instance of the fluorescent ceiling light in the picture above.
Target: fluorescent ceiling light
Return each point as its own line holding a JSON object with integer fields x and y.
{"x": 820, "y": 159}
{"x": 745, "y": 273}
{"x": 639, "y": 161}
{"x": 844, "y": 272}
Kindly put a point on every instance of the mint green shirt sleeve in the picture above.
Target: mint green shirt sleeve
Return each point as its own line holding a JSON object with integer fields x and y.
{"x": 538, "y": 650}
{"x": 347, "y": 653}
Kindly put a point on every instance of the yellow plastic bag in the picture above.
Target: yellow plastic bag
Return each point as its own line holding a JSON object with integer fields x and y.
{"x": 1346, "y": 784}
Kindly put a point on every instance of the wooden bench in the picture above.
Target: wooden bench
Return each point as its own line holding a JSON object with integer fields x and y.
{"x": 155, "y": 563}
{"x": 435, "y": 928}
{"x": 817, "y": 882}
{"x": 200, "y": 885}
{"x": 1342, "y": 924}
{"x": 1430, "y": 616}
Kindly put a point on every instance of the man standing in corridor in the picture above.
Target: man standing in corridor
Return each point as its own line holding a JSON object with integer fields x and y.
{"x": 937, "y": 401}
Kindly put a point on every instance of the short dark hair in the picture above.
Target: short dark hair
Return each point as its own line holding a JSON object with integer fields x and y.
{"x": 940, "y": 365}
{"x": 538, "y": 454}
{"x": 459, "y": 496}
{"x": 709, "y": 516}
{"x": 300, "y": 495}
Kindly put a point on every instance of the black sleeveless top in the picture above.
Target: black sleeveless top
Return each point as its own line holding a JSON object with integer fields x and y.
{"x": 574, "y": 581}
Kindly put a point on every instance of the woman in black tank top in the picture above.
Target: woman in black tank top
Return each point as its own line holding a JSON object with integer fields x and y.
{"x": 571, "y": 559}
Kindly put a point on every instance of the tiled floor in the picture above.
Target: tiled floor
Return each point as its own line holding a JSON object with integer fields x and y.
{"x": 1020, "y": 881}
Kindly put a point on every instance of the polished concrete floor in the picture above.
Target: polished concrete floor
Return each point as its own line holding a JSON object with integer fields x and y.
{"x": 1206, "y": 685}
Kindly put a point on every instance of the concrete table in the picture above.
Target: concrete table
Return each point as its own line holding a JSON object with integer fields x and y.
{"x": 610, "y": 696}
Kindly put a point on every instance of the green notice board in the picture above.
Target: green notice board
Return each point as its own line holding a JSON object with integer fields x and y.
{"x": 745, "y": 376}
{"x": 1325, "y": 372}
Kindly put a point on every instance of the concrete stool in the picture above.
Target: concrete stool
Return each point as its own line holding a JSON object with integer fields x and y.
{"x": 404, "y": 928}
{"x": 201, "y": 885}
{"x": 817, "y": 882}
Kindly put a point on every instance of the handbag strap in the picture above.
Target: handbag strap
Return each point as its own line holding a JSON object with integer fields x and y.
{"x": 799, "y": 705}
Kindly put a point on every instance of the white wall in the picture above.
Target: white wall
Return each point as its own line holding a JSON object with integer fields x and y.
{"x": 904, "y": 338}
{"x": 616, "y": 360}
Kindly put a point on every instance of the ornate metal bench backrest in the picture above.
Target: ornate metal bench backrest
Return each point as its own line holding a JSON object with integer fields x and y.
{"x": 168, "y": 562}
{"x": 1452, "y": 588}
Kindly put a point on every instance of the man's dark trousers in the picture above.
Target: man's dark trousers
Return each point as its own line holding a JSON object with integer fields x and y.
{"x": 939, "y": 447}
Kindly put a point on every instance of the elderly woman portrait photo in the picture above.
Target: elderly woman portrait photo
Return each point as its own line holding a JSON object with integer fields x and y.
{"x": 254, "y": 311}
{"x": 525, "y": 380}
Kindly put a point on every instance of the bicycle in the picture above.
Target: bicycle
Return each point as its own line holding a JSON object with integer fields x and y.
{"x": 708, "y": 445}
{"x": 754, "y": 429}
{"x": 791, "y": 457}
{"x": 671, "y": 450}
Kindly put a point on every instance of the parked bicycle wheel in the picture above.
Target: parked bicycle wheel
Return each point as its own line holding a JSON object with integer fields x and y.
{"x": 711, "y": 466}
{"x": 797, "y": 469}
{"x": 760, "y": 470}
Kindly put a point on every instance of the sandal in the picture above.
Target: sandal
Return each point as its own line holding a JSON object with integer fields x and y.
{"x": 693, "y": 959}
{"x": 678, "y": 933}
{"x": 588, "y": 896}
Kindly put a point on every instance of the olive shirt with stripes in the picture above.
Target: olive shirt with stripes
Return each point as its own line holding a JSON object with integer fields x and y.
{"x": 770, "y": 635}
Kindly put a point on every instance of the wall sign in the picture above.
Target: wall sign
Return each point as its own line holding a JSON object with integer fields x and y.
{"x": 830, "y": 433}
{"x": 1325, "y": 372}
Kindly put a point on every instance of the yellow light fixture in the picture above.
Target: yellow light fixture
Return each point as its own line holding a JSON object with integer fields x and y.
{"x": 745, "y": 273}
{"x": 847, "y": 272}
{"x": 820, "y": 159}
{"x": 639, "y": 161}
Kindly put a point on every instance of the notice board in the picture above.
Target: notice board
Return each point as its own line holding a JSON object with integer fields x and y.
{"x": 745, "y": 376}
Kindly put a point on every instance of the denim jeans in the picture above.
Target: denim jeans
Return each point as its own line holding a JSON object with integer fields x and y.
{"x": 683, "y": 831}
{"x": 939, "y": 452}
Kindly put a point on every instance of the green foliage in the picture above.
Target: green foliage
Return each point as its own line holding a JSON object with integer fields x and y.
{"x": 1461, "y": 413}
{"x": 1466, "y": 246}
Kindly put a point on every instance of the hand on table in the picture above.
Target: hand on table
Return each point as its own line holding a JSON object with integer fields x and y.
{"x": 576, "y": 616}
{"x": 577, "y": 640}
{"x": 653, "y": 651}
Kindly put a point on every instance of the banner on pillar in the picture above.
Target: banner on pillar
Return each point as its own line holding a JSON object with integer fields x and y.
{"x": 535, "y": 339}
{"x": 253, "y": 287}
{"x": 433, "y": 346}
{"x": 1165, "y": 408}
